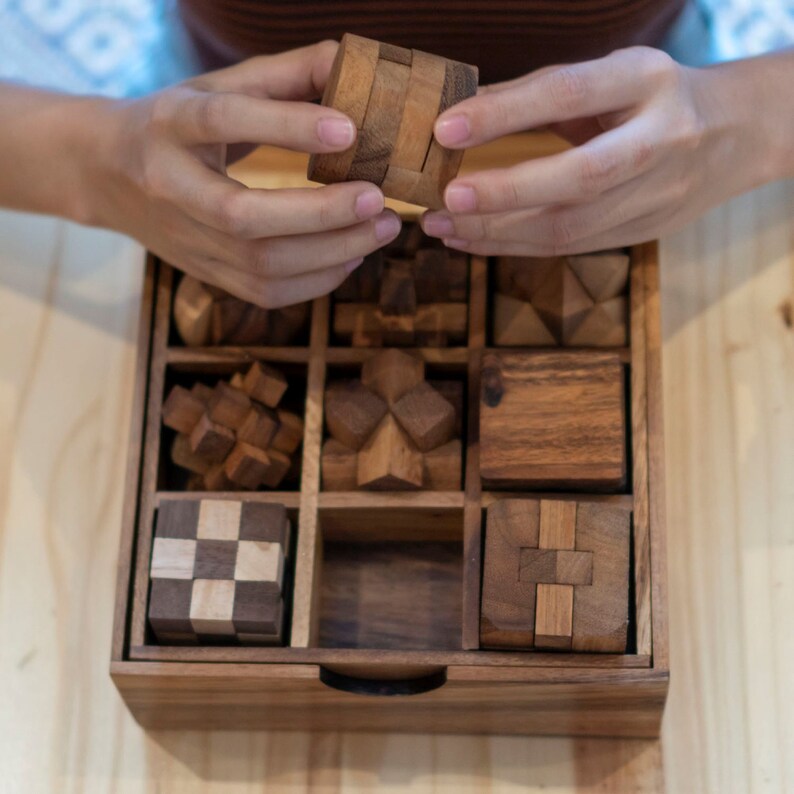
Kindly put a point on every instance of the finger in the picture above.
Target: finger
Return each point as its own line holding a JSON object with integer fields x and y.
{"x": 576, "y": 174}
{"x": 618, "y": 81}
{"x": 284, "y": 257}
{"x": 296, "y": 74}
{"x": 238, "y": 118}
{"x": 275, "y": 293}
{"x": 249, "y": 213}
{"x": 638, "y": 230}
{"x": 568, "y": 230}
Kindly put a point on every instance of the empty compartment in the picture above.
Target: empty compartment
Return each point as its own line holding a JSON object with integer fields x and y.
{"x": 391, "y": 578}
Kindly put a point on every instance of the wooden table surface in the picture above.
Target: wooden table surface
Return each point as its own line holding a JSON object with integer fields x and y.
{"x": 68, "y": 312}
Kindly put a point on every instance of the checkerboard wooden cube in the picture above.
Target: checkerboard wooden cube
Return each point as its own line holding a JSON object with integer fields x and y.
{"x": 217, "y": 572}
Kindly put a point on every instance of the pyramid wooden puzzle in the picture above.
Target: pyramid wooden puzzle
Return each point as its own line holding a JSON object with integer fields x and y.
{"x": 573, "y": 301}
{"x": 217, "y": 572}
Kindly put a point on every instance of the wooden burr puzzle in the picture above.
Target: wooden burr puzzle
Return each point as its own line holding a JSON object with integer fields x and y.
{"x": 394, "y": 95}
{"x": 412, "y": 293}
{"x": 233, "y": 435}
{"x": 446, "y": 486}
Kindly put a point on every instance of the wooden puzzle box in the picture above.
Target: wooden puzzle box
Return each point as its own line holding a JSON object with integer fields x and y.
{"x": 432, "y": 501}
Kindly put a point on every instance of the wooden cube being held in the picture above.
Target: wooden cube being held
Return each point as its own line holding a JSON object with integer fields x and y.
{"x": 394, "y": 95}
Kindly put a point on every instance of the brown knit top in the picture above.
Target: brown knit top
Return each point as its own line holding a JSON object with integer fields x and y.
{"x": 505, "y": 38}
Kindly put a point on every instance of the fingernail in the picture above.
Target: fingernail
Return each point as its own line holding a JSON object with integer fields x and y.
{"x": 453, "y": 130}
{"x": 368, "y": 204}
{"x": 387, "y": 227}
{"x": 352, "y": 265}
{"x": 453, "y": 242}
{"x": 460, "y": 198}
{"x": 438, "y": 225}
{"x": 334, "y": 131}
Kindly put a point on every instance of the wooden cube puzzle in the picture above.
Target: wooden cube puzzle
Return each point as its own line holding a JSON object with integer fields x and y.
{"x": 234, "y": 435}
{"x": 553, "y": 420}
{"x": 394, "y": 95}
{"x": 555, "y": 576}
{"x": 217, "y": 572}
{"x": 412, "y": 293}
{"x": 574, "y": 301}
{"x": 392, "y": 429}
{"x": 206, "y": 315}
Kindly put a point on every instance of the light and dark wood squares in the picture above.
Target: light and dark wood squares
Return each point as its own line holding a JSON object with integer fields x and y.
{"x": 394, "y": 95}
{"x": 217, "y": 572}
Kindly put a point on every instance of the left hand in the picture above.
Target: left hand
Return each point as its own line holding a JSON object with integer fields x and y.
{"x": 655, "y": 145}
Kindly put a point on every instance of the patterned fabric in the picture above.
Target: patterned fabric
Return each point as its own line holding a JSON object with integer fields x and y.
{"x": 130, "y": 47}
{"x": 111, "y": 47}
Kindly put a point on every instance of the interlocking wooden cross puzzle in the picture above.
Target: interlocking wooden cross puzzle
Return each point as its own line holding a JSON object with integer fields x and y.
{"x": 217, "y": 572}
{"x": 394, "y": 95}
{"x": 556, "y": 576}
{"x": 412, "y": 293}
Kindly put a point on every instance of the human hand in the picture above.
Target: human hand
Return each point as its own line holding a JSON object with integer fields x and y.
{"x": 160, "y": 176}
{"x": 655, "y": 145}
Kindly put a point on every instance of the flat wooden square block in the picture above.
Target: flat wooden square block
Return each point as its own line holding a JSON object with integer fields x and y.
{"x": 553, "y": 420}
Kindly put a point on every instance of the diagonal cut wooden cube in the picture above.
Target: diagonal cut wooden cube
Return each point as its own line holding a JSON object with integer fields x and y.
{"x": 390, "y": 461}
{"x": 556, "y": 576}
{"x": 265, "y": 384}
{"x": 352, "y": 412}
{"x": 425, "y": 416}
{"x": 553, "y": 420}
{"x": 573, "y": 301}
{"x": 217, "y": 572}
{"x": 392, "y": 373}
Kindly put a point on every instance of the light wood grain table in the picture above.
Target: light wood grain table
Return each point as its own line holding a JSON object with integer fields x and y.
{"x": 68, "y": 312}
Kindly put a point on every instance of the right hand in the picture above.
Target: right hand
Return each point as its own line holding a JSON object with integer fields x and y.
{"x": 160, "y": 176}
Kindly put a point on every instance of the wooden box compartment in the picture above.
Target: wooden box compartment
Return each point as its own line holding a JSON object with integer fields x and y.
{"x": 387, "y": 585}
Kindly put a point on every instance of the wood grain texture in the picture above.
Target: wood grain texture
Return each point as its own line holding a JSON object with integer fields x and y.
{"x": 728, "y": 409}
{"x": 573, "y": 437}
{"x": 378, "y": 135}
{"x": 348, "y": 90}
{"x": 395, "y": 147}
